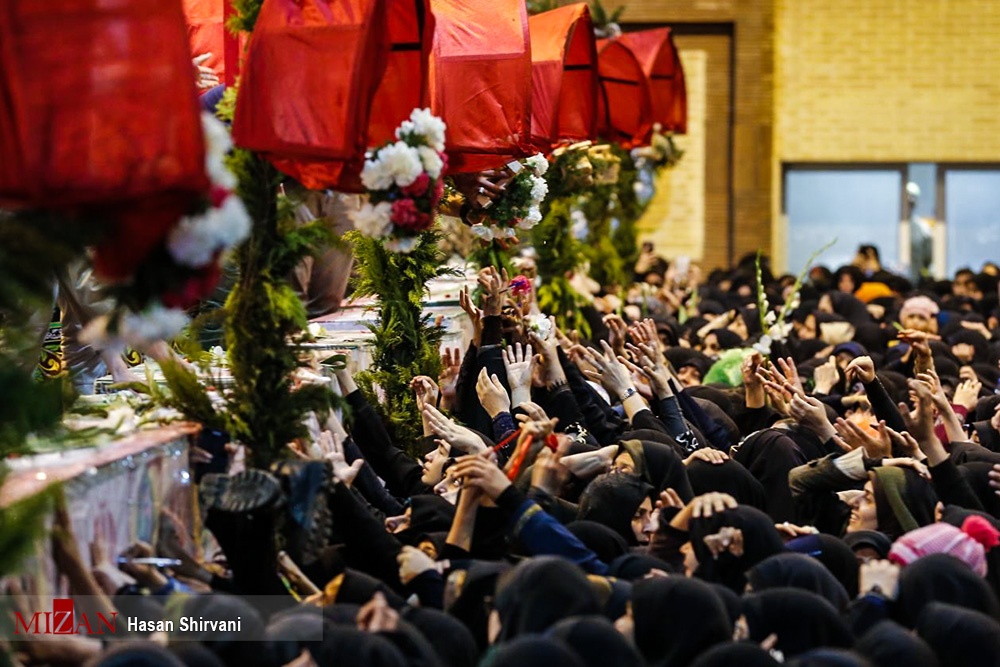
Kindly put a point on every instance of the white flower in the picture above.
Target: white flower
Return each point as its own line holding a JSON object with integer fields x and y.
{"x": 217, "y": 144}
{"x": 373, "y": 221}
{"x": 541, "y": 325}
{"x": 429, "y": 126}
{"x": 770, "y": 317}
{"x": 402, "y": 162}
{"x": 232, "y": 222}
{"x": 376, "y": 175}
{"x": 580, "y": 228}
{"x": 529, "y": 221}
{"x": 483, "y": 231}
{"x": 402, "y": 244}
{"x": 538, "y": 164}
{"x": 763, "y": 345}
{"x": 153, "y": 324}
{"x": 192, "y": 242}
{"x": 539, "y": 188}
{"x": 431, "y": 160}
{"x": 405, "y": 128}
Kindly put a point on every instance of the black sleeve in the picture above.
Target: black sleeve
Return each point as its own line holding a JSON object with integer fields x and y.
{"x": 952, "y": 488}
{"x": 883, "y": 407}
{"x": 600, "y": 419}
{"x": 369, "y": 547}
{"x": 400, "y": 472}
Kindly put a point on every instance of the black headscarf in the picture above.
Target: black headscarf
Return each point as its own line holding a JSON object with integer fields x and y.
{"x": 873, "y": 539}
{"x": 942, "y": 578}
{"x": 760, "y": 540}
{"x": 466, "y": 596}
{"x": 539, "y": 593}
{"x": 137, "y": 655}
{"x": 801, "y": 620}
{"x": 960, "y": 637}
{"x": 634, "y": 566}
{"x": 676, "y": 619}
{"x": 889, "y": 644}
{"x": 850, "y": 307}
{"x": 602, "y": 540}
{"x": 349, "y": 647}
{"x": 596, "y": 642}
{"x": 732, "y": 602}
{"x": 830, "y": 657}
{"x": 792, "y": 570}
{"x": 430, "y": 513}
{"x": 533, "y": 652}
{"x": 451, "y": 640}
{"x": 834, "y": 554}
{"x": 659, "y": 466}
{"x": 727, "y": 477}
{"x": 743, "y": 654}
{"x": 612, "y": 500}
{"x": 904, "y": 500}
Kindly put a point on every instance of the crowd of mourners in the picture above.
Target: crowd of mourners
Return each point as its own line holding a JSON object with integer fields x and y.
{"x": 692, "y": 483}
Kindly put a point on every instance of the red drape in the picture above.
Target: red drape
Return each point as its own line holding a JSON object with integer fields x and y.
{"x": 564, "y": 86}
{"x": 311, "y": 73}
{"x": 480, "y": 80}
{"x": 625, "y": 107}
{"x": 657, "y": 53}
{"x": 99, "y": 103}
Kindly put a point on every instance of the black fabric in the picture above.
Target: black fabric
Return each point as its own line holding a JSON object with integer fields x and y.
{"x": 430, "y": 513}
{"x": 801, "y": 620}
{"x": 830, "y": 657}
{"x": 770, "y": 455}
{"x": 736, "y": 655}
{"x": 470, "y": 588}
{"x": 596, "y": 642}
{"x": 452, "y": 641}
{"x": 793, "y": 570}
{"x": 942, "y": 578}
{"x": 889, "y": 644}
{"x": 873, "y": 539}
{"x": 956, "y": 516}
{"x": 960, "y": 637}
{"x": 760, "y": 540}
{"x": 676, "y": 619}
{"x": 602, "y": 540}
{"x": 835, "y": 555}
{"x": 612, "y": 500}
{"x": 533, "y": 652}
{"x": 539, "y": 593}
{"x": 916, "y": 492}
{"x": 728, "y": 477}
{"x": 634, "y": 566}
{"x": 137, "y": 655}
{"x": 732, "y": 602}
{"x": 659, "y": 466}
{"x": 349, "y": 647}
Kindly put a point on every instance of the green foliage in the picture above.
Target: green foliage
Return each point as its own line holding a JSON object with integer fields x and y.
{"x": 245, "y": 15}
{"x": 21, "y": 527}
{"x": 602, "y": 18}
{"x": 493, "y": 254}
{"x": 188, "y": 395}
{"x": 406, "y": 344}
{"x": 559, "y": 254}
{"x": 539, "y": 6}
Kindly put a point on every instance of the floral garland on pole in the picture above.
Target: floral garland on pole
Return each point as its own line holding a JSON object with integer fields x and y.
{"x": 396, "y": 254}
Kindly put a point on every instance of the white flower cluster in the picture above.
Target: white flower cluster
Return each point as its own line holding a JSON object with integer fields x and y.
{"x": 373, "y": 220}
{"x": 195, "y": 240}
{"x": 136, "y": 330}
{"x": 395, "y": 164}
{"x": 424, "y": 123}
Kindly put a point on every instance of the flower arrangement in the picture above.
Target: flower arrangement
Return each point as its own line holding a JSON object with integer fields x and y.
{"x": 519, "y": 207}
{"x": 188, "y": 265}
{"x": 404, "y": 183}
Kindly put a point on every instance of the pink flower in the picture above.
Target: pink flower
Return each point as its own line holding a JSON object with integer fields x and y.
{"x": 520, "y": 285}
{"x": 217, "y": 195}
{"x": 418, "y": 188}
{"x": 438, "y": 192}
{"x": 406, "y": 215}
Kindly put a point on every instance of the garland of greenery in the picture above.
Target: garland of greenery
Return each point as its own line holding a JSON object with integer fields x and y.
{"x": 558, "y": 255}
{"x": 406, "y": 344}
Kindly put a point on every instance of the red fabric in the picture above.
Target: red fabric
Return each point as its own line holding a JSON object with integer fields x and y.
{"x": 625, "y": 106}
{"x": 207, "y": 34}
{"x": 99, "y": 103}
{"x": 657, "y": 54}
{"x": 563, "y": 76}
{"x": 307, "y": 87}
{"x": 480, "y": 80}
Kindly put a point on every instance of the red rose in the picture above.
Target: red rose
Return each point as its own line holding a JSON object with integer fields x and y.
{"x": 405, "y": 214}
{"x": 418, "y": 188}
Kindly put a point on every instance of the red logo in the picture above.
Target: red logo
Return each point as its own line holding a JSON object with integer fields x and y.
{"x": 63, "y": 620}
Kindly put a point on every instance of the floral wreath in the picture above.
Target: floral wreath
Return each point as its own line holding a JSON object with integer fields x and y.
{"x": 187, "y": 266}
{"x": 519, "y": 207}
{"x": 404, "y": 183}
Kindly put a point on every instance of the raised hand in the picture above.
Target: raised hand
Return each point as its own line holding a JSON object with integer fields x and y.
{"x": 618, "y": 332}
{"x": 811, "y": 414}
{"x": 650, "y": 365}
{"x": 520, "y": 364}
{"x": 493, "y": 284}
{"x": 855, "y": 436}
{"x": 492, "y": 395}
{"x": 610, "y": 372}
{"x": 474, "y": 313}
{"x": 861, "y": 369}
{"x": 826, "y": 375}
{"x": 343, "y": 471}
{"x": 457, "y": 437}
{"x": 588, "y": 464}
{"x": 482, "y": 473}
{"x": 967, "y": 394}
{"x": 425, "y": 390}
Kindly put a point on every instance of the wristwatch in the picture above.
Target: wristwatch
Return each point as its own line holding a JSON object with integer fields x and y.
{"x": 629, "y": 393}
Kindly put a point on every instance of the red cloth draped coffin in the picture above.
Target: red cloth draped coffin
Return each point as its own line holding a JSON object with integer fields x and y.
{"x": 206, "y": 21}
{"x": 99, "y": 104}
{"x": 657, "y": 54}
{"x": 564, "y": 84}
{"x": 625, "y": 105}
{"x": 480, "y": 80}
{"x": 325, "y": 79}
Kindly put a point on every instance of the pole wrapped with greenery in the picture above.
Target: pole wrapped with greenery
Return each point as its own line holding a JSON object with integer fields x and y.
{"x": 406, "y": 343}
{"x": 559, "y": 254}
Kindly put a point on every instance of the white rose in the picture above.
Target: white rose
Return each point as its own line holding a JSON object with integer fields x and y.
{"x": 430, "y": 126}
{"x": 539, "y": 188}
{"x": 373, "y": 221}
{"x": 402, "y": 162}
{"x": 431, "y": 160}
{"x": 376, "y": 175}
{"x": 763, "y": 345}
{"x": 405, "y": 128}
{"x": 192, "y": 242}
{"x": 217, "y": 144}
{"x": 231, "y": 222}
{"x": 538, "y": 164}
